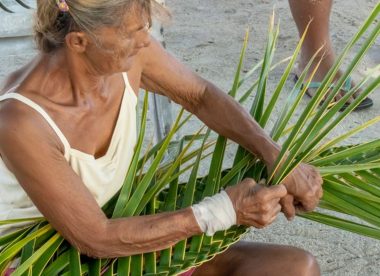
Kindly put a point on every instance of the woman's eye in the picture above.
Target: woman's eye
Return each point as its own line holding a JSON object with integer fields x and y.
{"x": 126, "y": 36}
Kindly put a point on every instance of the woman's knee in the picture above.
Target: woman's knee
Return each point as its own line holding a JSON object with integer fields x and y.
{"x": 261, "y": 259}
{"x": 307, "y": 264}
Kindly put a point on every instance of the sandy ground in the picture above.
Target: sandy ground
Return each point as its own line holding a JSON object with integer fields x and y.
{"x": 207, "y": 35}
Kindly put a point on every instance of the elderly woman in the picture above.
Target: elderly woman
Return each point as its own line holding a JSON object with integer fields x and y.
{"x": 67, "y": 133}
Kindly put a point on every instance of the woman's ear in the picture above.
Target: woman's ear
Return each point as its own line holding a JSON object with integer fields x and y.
{"x": 77, "y": 41}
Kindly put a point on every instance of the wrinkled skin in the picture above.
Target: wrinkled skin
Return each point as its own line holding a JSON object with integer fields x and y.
{"x": 255, "y": 204}
{"x": 304, "y": 186}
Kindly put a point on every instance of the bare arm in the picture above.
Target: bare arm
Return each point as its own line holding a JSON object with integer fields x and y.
{"x": 161, "y": 72}
{"x": 33, "y": 153}
{"x": 164, "y": 74}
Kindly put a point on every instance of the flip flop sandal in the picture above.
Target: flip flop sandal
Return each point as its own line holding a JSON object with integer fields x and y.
{"x": 364, "y": 104}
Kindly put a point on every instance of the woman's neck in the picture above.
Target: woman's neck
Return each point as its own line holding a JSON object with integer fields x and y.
{"x": 66, "y": 78}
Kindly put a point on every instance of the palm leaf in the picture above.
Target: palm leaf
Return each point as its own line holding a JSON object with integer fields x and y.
{"x": 152, "y": 185}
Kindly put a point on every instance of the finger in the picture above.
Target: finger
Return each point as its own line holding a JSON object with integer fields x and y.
{"x": 288, "y": 207}
{"x": 276, "y": 210}
{"x": 273, "y": 217}
{"x": 269, "y": 222}
{"x": 307, "y": 205}
{"x": 261, "y": 224}
{"x": 273, "y": 203}
{"x": 249, "y": 181}
{"x": 252, "y": 222}
{"x": 277, "y": 192}
{"x": 320, "y": 193}
{"x": 257, "y": 225}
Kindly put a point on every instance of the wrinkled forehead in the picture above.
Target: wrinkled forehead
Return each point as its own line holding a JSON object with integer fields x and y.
{"x": 131, "y": 21}
{"x": 135, "y": 18}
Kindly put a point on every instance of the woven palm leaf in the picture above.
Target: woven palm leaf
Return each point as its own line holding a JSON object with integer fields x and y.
{"x": 351, "y": 173}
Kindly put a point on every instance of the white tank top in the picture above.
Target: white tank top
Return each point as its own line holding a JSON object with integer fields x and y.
{"x": 103, "y": 176}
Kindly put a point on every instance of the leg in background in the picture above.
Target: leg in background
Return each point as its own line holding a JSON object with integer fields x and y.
{"x": 318, "y": 35}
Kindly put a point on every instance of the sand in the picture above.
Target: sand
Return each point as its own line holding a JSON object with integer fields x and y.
{"x": 207, "y": 36}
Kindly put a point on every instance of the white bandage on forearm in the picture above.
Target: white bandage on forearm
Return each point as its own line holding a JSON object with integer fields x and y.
{"x": 215, "y": 213}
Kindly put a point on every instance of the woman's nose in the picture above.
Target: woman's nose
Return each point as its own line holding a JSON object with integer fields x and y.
{"x": 143, "y": 39}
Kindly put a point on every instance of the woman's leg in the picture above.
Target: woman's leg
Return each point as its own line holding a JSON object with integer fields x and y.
{"x": 318, "y": 35}
{"x": 247, "y": 258}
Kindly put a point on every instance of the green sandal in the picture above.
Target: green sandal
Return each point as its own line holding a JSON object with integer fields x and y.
{"x": 364, "y": 104}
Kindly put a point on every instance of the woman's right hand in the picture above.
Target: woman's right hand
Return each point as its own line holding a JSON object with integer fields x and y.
{"x": 256, "y": 205}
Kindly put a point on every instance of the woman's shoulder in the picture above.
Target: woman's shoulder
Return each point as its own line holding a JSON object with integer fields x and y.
{"x": 15, "y": 117}
{"x": 19, "y": 123}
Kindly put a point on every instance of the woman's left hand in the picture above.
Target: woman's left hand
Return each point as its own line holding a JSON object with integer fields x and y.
{"x": 304, "y": 187}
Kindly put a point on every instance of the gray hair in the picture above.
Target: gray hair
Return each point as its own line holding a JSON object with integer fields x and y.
{"x": 52, "y": 25}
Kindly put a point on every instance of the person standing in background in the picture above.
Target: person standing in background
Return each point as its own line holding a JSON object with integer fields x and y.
{"x": 318, "y": 35}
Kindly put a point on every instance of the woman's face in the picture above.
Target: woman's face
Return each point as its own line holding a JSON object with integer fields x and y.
{"x": 114, "y": 49}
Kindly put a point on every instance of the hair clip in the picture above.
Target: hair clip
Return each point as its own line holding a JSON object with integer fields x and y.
{"x": 62, "y": 5}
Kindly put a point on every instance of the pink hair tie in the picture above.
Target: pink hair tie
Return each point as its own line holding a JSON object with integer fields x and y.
{"x": 62, "y": 5}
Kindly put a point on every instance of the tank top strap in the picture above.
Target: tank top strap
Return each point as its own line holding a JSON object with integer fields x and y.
{"x": 42, "y": 112}
{"x": 131, "y": 93}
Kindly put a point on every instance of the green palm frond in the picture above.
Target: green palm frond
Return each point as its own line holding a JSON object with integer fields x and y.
{"x": 351, "y": 173}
